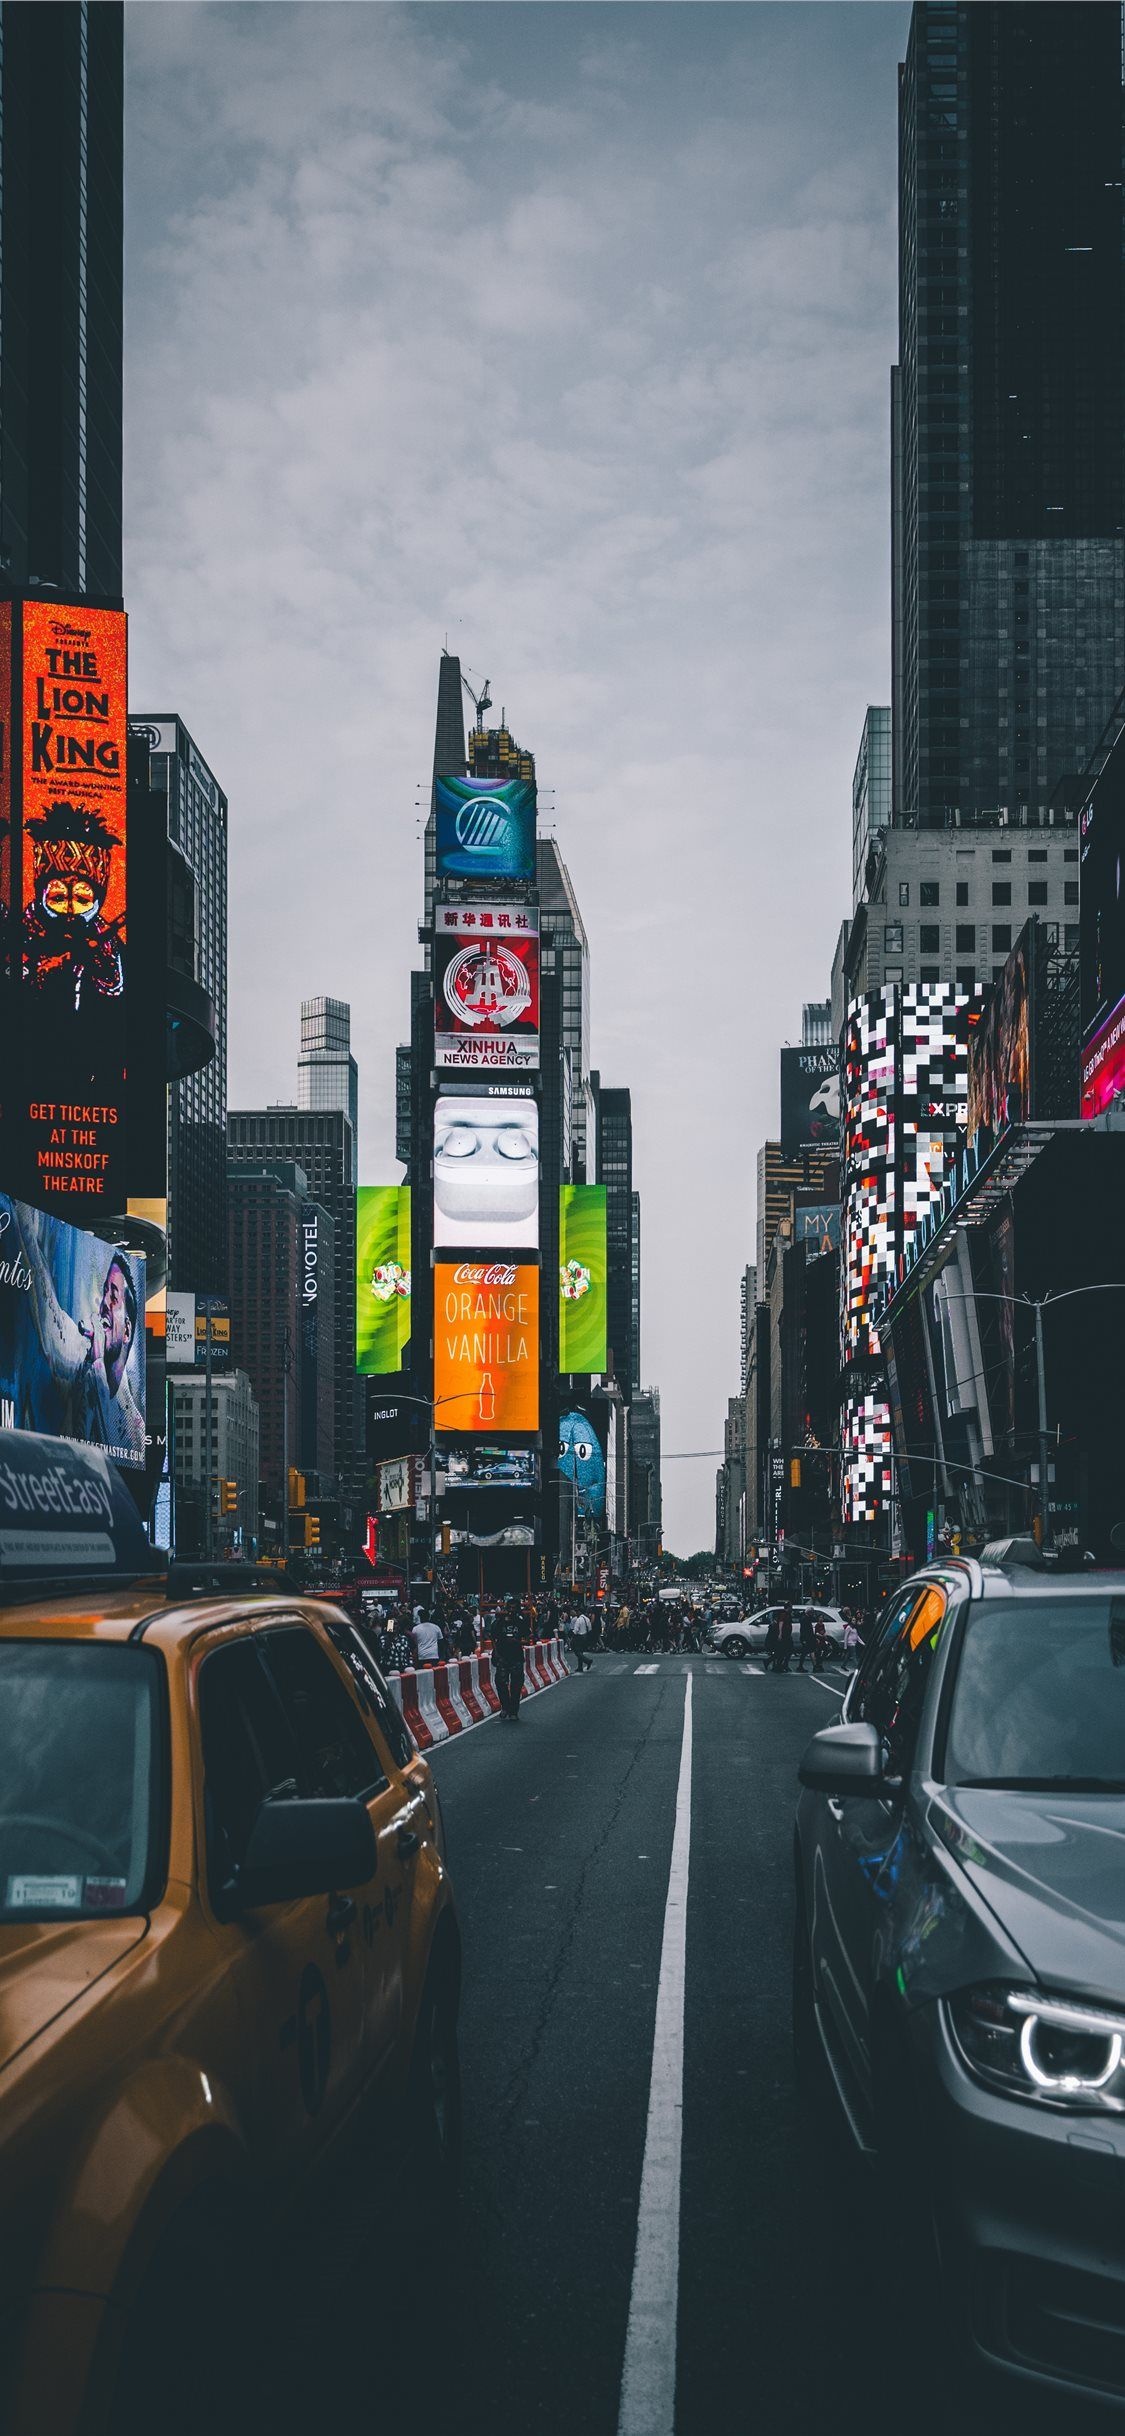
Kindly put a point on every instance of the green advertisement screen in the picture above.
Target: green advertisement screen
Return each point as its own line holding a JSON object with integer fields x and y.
{"x": 582, "y": 1278}
{"x": 382, "y": 1277}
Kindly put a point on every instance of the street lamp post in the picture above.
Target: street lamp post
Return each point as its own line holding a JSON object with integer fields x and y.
{"x": 1038, "y": 1305}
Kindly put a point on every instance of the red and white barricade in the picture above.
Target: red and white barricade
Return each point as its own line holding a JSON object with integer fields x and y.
{"x": 470, "y": 1691}
{"x": 482, "y": 1677}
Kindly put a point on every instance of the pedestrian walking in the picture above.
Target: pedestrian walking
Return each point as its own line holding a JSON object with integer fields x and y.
{"x": 784, "y": 1638}
{"x": 508, "y": 1663}
{"x": 806, "y": 1639}
{"x": 581, "y": 1630}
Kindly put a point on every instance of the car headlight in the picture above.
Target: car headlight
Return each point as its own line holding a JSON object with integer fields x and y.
{"x": 1052, "y": 2050}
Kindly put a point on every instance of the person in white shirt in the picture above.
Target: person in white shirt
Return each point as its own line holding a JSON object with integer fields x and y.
{"x": 580, "y": 1633}
{"x": 427, "y": 1642}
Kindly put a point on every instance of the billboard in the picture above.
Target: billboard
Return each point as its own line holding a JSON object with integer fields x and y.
{"x": 486, "y": 1347}
{"x": 583, "y": 1269}
{"x": 72, "y": 1336}
{"x": 818, "y": 1227}
{"x": 486, "y": 987}
{"x": 179, "y": 1331}
{"x": 486, "y": 1172}
{"x": 396, "y": 1484}
{"x": 1001, "y": 1051}
{"x": 68, "y": 1108}
{"x": 810, "y": 1100}
{"x": 7, "y": 907}
{"x": 382, "y": 1277}
{"x": 1101, "y": 937}
{"x": 485, "y": 828}
{"x": 493, "y": 1467}
{"x": 582, "y": 1460}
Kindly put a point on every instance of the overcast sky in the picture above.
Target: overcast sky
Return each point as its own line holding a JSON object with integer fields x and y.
{"x": 564, "y": 333}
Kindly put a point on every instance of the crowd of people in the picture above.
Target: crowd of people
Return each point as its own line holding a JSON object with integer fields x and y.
{"x": 428, "y": 1631}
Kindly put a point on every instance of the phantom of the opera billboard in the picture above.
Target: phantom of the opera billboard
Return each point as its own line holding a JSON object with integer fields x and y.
{"x": 486, "y": 1173}
{"x": 486, "y": 987}
{"x": 583, "y": 1266}
{"x": 810, "y": 1100}
{"x": 72, "y": 1336}
{"x": 486, "y": 1347}
{"x": 63, "y": 891}
{"x": 485, "y": 828}
{"x": 382, "y": 1280}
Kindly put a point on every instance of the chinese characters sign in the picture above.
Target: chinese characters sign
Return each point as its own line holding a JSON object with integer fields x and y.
{"x": 486, "y": 986}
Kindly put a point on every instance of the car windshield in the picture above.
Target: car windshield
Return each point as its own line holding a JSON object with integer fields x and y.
{"x": 79, "y": 1778}
{"x": 1039, "y": 1697}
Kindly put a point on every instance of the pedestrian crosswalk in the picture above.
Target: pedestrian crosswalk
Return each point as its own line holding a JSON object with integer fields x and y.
{"x": 676, "y": 1664}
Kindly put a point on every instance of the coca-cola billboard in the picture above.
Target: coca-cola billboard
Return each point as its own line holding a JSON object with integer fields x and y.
{"x": 486, "y": 1347}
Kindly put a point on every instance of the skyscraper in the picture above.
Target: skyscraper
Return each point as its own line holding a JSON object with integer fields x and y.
{"x": 622, "y": 1209}
{"x": 563, "y": 934}
{"x": 871, "y": 790}
{"x": 61, "y": 111}
{"x": 327, "y": 1074}
{"x": 319, "y": 1141}
{"x": 197, "y": 1105}
{"x": 1008, "y": 458}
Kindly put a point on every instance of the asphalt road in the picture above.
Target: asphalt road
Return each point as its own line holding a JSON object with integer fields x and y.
{"x": 792, "y": 2310}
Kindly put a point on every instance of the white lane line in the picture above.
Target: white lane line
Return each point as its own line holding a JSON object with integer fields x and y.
{"x": 718, "y": 1668}
{"x": 646, "y": 1670}
{"x": 826, "y": 1687}
{"x": 648, "y": 2380}
{"x": 750, "y": 1669}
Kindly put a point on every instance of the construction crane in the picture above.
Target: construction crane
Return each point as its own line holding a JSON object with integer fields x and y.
{"x": 480, "y": 702}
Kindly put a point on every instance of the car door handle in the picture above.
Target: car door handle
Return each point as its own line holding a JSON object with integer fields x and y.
{"x": 836, "y": 1808}
{"x": 407, "y": 1841}
{"x": 340, "y": 1914}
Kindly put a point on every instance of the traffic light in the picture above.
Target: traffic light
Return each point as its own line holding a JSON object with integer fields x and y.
{"x": 794, "y": 1471}
{"x": 312, "y": 1530}
{"x": 296, "y": 1486}
{"x": 228, "y": 1497}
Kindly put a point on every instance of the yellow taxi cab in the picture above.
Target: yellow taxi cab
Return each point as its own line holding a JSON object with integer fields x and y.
{"x": 226, "y": 1923}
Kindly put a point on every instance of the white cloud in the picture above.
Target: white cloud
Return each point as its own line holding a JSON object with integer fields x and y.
{"x": 566, "y": 334}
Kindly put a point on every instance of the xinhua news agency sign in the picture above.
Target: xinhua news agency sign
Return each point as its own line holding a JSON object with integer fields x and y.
{"x": 64, "y": 957}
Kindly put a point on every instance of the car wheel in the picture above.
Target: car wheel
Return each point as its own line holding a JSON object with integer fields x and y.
{"x": 209, "y": 2250}
{"x": 435, "y": 2078}
{"x": 736, "y": 1647}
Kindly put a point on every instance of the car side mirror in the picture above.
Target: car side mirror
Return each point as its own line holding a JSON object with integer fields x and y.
{"x": 298, "y": 1848}
{"x": 844, "y": 1759}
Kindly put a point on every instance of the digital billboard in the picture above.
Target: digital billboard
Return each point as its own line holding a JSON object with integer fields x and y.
{"x": 69, "y": 1108}
{"x": 485, "y": 828}
{"x": 583, "y": 1270}
{"x": 866, "y": 1468}
{"x": 817, "y": 1226}
{"x": 7, "y": 907}
{"x": 72, "y": 1336}
{"x": 1101, "y": 936}
{"x": 810, "y": 1100}
{"x": 1001, "y": 1052}
{"x": 582, "y": 1459}
{"x": 493, "y": 1467}
{"x": 382, "y": 1279}
{"x": 486, "y": 1172}
{"x": 486, "y": 1347}
{"x": 486, "y": 987}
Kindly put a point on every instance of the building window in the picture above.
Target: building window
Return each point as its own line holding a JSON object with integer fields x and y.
{"x": 892, "y": 972}
{"x": 966, "y": 977}
{"x": 929, "y": 893}
{"x": 966, "y": 938}
{"x": 892, "y": 939}
{"x": 1070, "y": 937}
{"x": 962, "y": 892}
{"x": 1001, "y": 892}
{"x": 929, "y": 976}
{"x": 904, "y": 892}
{"x": 1037, "y": 854}
{"x": 1037, "y": 892}
{"x": 929, "y": 938}
{"x": 1001, "y": 937}
{"x": 1001, "y": 854}
{"x": 1070, "y": 854}
{"x": 1070, "y": 892}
